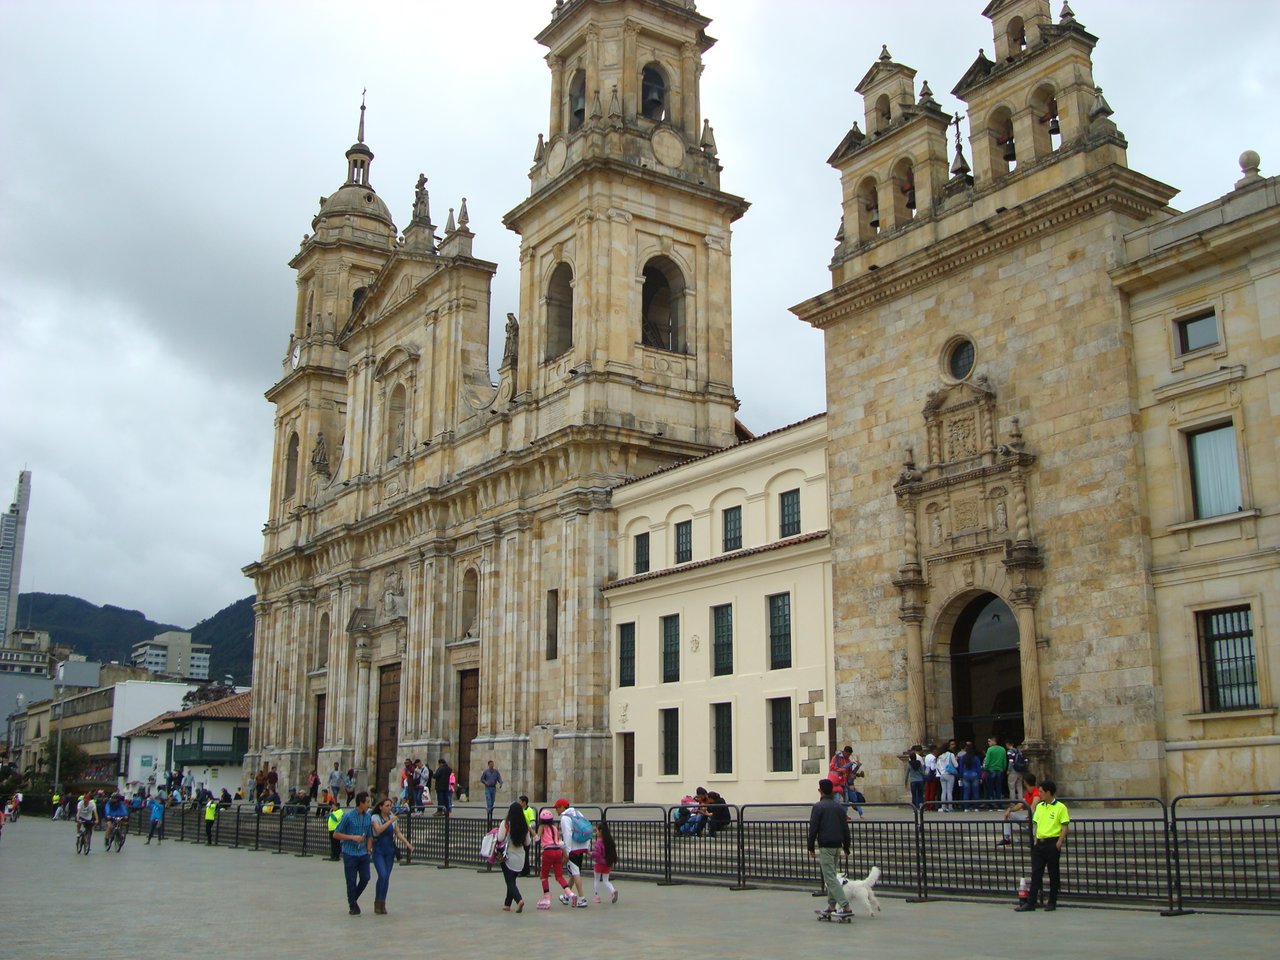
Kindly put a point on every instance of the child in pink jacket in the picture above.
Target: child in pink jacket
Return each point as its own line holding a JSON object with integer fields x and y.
{"x": 604, "y": 854}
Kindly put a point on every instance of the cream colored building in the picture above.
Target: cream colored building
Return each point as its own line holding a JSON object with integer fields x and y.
{"x": 1029, "y": 470}
{"x": 437, "y": 535}
{"x": 720, "y": 624}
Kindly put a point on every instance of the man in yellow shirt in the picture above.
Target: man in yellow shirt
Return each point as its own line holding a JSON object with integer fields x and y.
{"x": 1049, "y": 824}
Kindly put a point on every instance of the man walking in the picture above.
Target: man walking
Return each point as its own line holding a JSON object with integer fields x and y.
{"x": 829, "y": 832}
{"x": 1049, "y": 824}
{"x": 576, "y": 847}
{"x": 491, "y": 779}
{"x": 444, "y": 798}
{"x": 335, "y": 783}
{"x": 355, "y": 831}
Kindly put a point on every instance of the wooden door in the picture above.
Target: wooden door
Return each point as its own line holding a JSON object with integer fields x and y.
{"x": 539, "y": 776}
{"x": 628, "y": 768}
{"x": 318, "y": 743}
{"x": 468, "y": 724}
{"x": 388, "y": 726}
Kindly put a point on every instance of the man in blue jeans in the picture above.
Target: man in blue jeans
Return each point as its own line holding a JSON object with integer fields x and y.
{"x": 492, "y": 780}
{"x": 355, "y": 831}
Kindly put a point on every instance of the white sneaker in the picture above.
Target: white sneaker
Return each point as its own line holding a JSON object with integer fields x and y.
{"x": 565, "y": 899}
{"x": 582, "y": 902}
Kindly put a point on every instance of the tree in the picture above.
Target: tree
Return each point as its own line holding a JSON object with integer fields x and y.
{"x": 74, "y": 761}
{"x": 208, "y": 694}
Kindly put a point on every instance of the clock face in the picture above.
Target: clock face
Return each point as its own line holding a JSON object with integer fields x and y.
{"x": 296, "y": 356}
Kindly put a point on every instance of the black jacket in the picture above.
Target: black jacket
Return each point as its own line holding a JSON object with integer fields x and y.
{"x": 828, "y": 826}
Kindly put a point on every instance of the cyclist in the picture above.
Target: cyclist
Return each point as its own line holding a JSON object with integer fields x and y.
{"x": 86, "y": 819}
{"x": 116, "y": 813}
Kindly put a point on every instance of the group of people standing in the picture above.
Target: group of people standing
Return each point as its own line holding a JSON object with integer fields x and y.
{"x": 990, "y": 777}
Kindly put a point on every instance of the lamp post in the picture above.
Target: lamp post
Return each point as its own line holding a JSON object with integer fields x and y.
{"x": 57, "y": 763}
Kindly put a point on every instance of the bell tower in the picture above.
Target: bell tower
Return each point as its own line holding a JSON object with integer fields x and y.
{"x": 625, "y": 278}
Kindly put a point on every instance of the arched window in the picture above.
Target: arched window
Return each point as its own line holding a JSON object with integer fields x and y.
{"x": 986, "y": 672}
{"x": 357, "y": 297}
{"x": 1046, "y": 131}
{"x": 577, "y": 100}
{"x": 291, "y": 467}
{"x": 868, "y": 209}
{"x": 904, "y": 192}
{"x": 662, "y": 306}
{"x": 1016, "y": 38}
{"x": 884, "y": 115}
{"x": 653, "y": 93}
{"x": 1004, "y": 154}
{"x": 560, "y": 311}
{"x": 395, "y": 422}
{"x": 467, "y": 626}
{"x": 321, "y": 658}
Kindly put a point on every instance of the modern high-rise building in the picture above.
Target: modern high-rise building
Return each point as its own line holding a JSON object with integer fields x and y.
{"x": 173, "y": 654}
{"x": 13, "y": 528}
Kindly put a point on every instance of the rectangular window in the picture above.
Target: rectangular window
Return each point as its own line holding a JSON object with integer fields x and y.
{"x": 722, "y": 732}
{"x": 780, "y": 735}
{"x": 671, "y": 648}
{"x": 684, "y": 541}
{"x": 722, "y": 629}
{"x": 780, "y": 631}
{"x": 1196, "y": 332}
{"x": 732, "y": 518}
{"x": 670, "y": 726}
{"x": 626, "y": 654}
{"x": 553, "y": 624}
{"x": 789, "y": 510}
{"x": 642, "y": 552}
{"x": 1228, "y": 667}
{"x": 1215, "y": 473}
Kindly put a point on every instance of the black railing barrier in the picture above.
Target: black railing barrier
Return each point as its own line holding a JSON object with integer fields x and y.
{"x": 1202, "y": 850}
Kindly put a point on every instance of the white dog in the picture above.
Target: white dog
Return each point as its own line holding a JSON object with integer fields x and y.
{"x": 861, "y": 893}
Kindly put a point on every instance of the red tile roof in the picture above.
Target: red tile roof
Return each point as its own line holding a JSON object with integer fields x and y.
{"x": 228, "y": 708}
{"x": 160, "y": 724}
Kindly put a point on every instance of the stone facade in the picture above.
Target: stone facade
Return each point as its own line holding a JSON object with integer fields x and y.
{"x": 750, "y": 607}
{"x": 437, "y": 537}
{"x": 992, "y": 408}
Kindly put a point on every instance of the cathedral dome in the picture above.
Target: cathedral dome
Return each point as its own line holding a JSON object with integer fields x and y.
{"x": 356, "y": 199}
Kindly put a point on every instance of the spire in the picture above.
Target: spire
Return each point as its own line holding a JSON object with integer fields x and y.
{"x": 1101, "y": 109}
{"x": 959, "y": 166}
{"x": 539, "y": 150}
{"x": 463, "y": 217}
{"x": 615, "y": 105}
{"x": 359, "y": 156}
{"x": 885, "y": 57}
{"x": 449, "y": 226}
{"x": 708, "y": 143}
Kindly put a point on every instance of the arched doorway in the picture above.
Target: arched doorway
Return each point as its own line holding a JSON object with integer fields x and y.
{"x": 986, "y": 672}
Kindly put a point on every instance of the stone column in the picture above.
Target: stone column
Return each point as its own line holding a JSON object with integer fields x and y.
{"x": 557, "y": 96}
{"x": 361, "y": 762}
{"x": 1029, "y": 658}
{"x": 631, "y": 71}
{"x": 915, "y": 673}
{"x": 688, "y": 105}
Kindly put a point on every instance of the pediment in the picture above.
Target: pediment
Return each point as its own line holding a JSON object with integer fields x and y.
{"x": 960, "y": 422}
{"x": 395, "y": 359}
{"x": 397, "y": 283}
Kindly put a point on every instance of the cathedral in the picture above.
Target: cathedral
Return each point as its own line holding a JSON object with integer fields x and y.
{"x": 438, "y": 536}
{"x": 1043, "y": 503}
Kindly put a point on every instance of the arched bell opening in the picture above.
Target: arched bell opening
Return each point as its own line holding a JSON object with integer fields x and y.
{"x": 653, "y": 93}
{"x": 1046, "y": 132}
{"x": 560, "y": 311}
{"x": 986, "y": 672}
{"x": 662, "y": 306}
{"x": 1003, "y": 150}
{"x": 904, "y": 192}
{"x": 868, "y": 209}
{"x": 577, "y": 100}
{"x": 291, "y": 467}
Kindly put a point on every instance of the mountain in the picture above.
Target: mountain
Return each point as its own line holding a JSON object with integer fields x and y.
{"x": 108, "y": 633}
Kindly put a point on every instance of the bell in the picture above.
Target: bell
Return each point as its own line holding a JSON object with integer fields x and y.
{"x": 875, "y": 219}
{"x": 653, "y": 105}
{"x": 1054, "y": 128}
{"x": 911, "y": 198}
{"x": 1010, "y": 154}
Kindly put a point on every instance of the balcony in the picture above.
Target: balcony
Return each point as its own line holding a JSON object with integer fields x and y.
{"x": 208, "y": 754}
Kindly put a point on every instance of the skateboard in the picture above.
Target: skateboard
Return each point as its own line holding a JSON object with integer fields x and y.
{"x": 832, "y": 917}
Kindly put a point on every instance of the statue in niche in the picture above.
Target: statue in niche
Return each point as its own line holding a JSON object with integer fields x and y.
{"x": 935, "y": 530}
{"x": 1002, "y": 516}
{"x": 511, "y": 347}
{"x": 320, "y": 455}
{"x": 393, "y": 604}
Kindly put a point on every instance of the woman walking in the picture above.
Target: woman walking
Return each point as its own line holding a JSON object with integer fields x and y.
{"x": 552, "y": 857}
{"x": 947, "y": 770}
{"x": 514, "y": 833}
{"x": 386, "y": 831}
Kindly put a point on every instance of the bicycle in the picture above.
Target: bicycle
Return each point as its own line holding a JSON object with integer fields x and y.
{"x": 117, "y": 832}
{"x": 84, "y": 836}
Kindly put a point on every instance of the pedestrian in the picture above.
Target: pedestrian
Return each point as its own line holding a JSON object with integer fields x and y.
{"x": 210, "y": 815}
{"x": 444, "y": 798}
{"x": 1049, "y": 824}
{"x": 335, "y": 782}
{"x": 931, "y": 783}
{"x": 604, "y": 854}
{"x": 994, "y": 765}
{"x": 1019, "y": 764}
{"x": 491, "y": 780}
{"x": 313, "y": 784}
{"x": 829, "y": 833}
{"x": 514, "y": 834}
{"x": 386, "y": 833}
{"x": 947, "y": 771}
{"x": 335, "y": 818}
{"x": 552, "y": 857}
{"x": 970, "y": 777}
{"x": 576, "y": 834}
{"x": 355, "y": 831}
{"x": 349, "y": 784}
{"x": 156, "y": 809}
{"x": 1022, "y": 810}
{"x": 529, "y": 818}
{"x": 915, "y": 776}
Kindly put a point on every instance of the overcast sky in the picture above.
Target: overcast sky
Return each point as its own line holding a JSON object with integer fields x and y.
{"x": 163, "y": 161}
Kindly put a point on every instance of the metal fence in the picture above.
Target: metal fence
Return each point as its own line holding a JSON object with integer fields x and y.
{"x": 1193, "y": 852}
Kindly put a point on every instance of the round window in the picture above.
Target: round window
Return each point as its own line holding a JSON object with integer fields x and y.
{"x": 960, "y": 359}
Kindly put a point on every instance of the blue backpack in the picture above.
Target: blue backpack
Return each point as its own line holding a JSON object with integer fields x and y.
{"x": 582, "y": 829}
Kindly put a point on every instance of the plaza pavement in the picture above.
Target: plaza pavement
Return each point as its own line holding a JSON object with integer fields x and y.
{"x": 180, "y": 899}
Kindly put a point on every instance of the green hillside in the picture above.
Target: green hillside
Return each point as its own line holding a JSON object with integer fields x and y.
{"x": 108, "y": 633}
